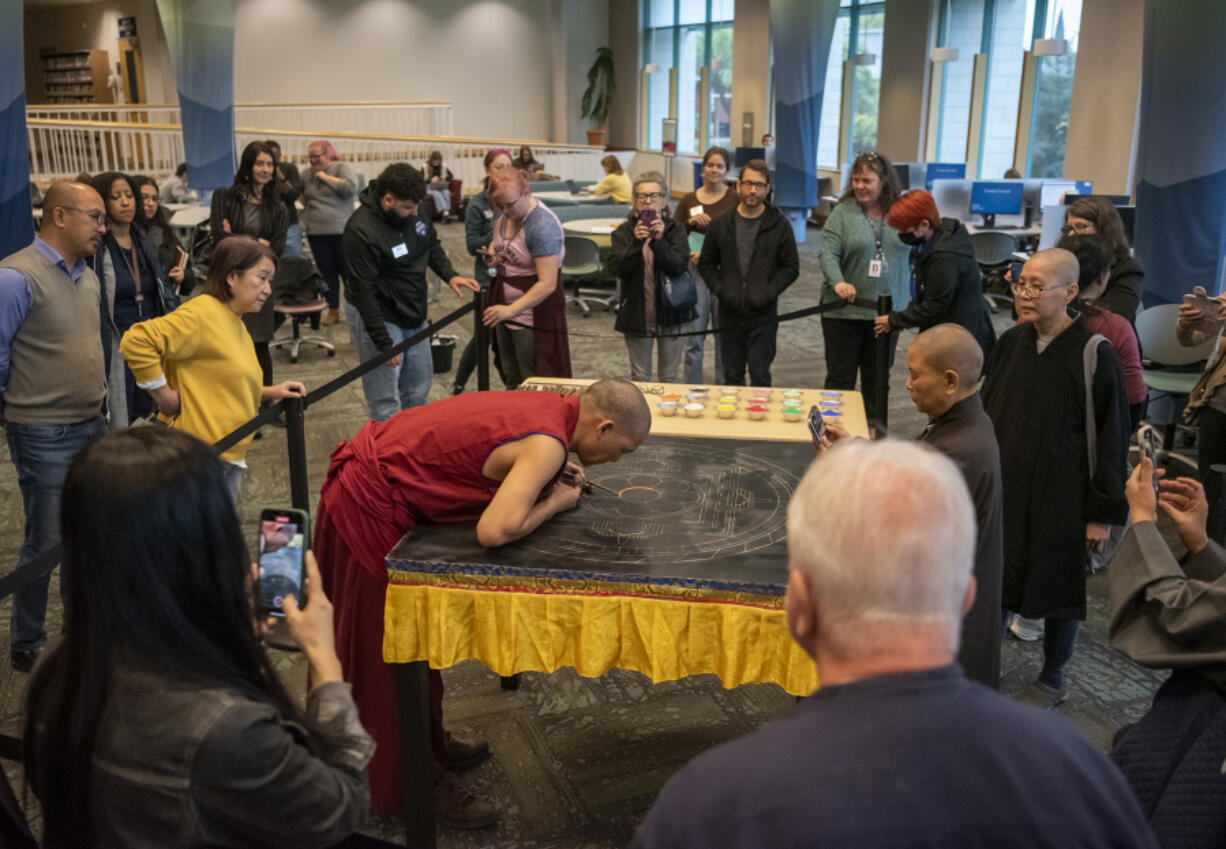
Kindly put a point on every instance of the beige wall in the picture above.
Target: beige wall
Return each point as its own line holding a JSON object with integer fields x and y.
{"x": 624, "y": 39}
{"x": 95, "y": 26}
{"x": 751, "y": 69}
{"x": 902, "y": 114}
{"x": 1106, "y": 85}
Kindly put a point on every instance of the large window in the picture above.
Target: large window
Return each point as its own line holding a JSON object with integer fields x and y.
{"x": 859, "y": 30}
{"x": 689, "y": 35}
{"x": 1053, "y": 92}
{"x": 1004, "y": 30}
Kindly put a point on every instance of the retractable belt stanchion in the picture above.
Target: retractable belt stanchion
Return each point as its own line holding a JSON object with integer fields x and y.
{"x": 481, "y": 340}
{"x": 885, "y": 304}
{"x": 295, "y": 441}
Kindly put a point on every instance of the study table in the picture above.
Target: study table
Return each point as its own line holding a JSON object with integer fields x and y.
{"x": 681, "y": 572}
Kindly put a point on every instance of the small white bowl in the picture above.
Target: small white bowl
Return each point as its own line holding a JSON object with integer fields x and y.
{"x": 793, "y": 393}
{"x": 668, "y": 408}
{"x": 725, "y": 411}
{"x": 694, "y": 411}
{"x": 696, "y": 398}
{"x": 793, "y": 416}
{"x": 756, "y": 414}
{"x": 730, "y": 390}
{"x": 700, "y": 389}
{"x": 729, "y": 399}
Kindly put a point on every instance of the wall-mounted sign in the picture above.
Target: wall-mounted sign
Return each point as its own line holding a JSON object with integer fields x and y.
{"x": 127, "y": 27}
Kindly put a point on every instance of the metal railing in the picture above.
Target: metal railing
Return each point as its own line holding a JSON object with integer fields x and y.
{"x": 61, "y": 149}
{"x": 397, "y": 117}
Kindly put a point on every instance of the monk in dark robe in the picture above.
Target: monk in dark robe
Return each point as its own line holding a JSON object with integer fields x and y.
{"x": 1063, "y": 474}
{"x": 944, "y": 364}
{"x": 498, "y": 459}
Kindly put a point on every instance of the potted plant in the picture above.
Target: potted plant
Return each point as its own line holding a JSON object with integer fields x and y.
{"x": 599, "y": 95}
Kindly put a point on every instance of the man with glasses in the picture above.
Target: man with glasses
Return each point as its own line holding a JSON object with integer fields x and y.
{"x": 52, "y": 379}
{"x": 747, "y": 260}
{"x": 1062, "y": 465}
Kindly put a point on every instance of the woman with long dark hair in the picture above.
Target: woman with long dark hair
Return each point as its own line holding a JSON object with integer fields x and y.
{"x": 158, "y": 719}
{"x": 253, "y": 207}
{"x": 157, "y": 224}
{"x": 1089, "y": 216}
{"x": 862, "y": 257}
{"x": 134, "y": 288}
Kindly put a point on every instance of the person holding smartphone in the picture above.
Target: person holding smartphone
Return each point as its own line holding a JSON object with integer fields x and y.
{"x": 191, "y": 736}
{"x": 646, "y": 246}
{"x": 170, "y": 250}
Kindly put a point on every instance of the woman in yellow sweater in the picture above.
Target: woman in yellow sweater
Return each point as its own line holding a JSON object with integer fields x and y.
{"x": 615, "y": 184}
{"x": 199, "y": 362}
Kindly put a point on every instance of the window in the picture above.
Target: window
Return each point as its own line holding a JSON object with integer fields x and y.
{"x": 689, "y": 35}
{"x": 1004, "y": 29}
{"x": 1053, "y": 91}
{"x": 859, "y": 29}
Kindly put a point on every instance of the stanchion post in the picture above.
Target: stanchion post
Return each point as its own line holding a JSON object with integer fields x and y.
{"x": 295, "y": 440}
{"x": 885, "y": 305}
{"x": 481, "y": 339}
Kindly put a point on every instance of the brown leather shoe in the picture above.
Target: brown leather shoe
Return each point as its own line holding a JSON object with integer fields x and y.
{"x": 456, "y": 807}
{"x": 464, "y": 754}
{"x": 331, "y": 317}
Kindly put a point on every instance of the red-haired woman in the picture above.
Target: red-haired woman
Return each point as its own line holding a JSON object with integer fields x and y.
{"x": 948, "y": 286}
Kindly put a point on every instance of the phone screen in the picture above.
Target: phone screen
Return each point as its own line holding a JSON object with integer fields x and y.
{"x": 817, "y": 424}
{"x": 1015, "y": 269}
{"x": 1147, "y": 440}
{"x": 282, "y": 548}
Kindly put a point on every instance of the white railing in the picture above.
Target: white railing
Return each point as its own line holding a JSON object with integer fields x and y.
{"x": 401, "y": 117}
{"x": 61, "y": 149}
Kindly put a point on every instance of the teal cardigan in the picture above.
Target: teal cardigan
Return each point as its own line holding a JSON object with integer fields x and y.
{"x": 848, "y": 245}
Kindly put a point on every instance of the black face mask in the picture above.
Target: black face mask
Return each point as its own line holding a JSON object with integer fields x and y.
{"x": 910, "y": 239}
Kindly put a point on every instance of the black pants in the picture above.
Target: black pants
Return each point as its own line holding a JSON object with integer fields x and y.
{"x": 752, "y": 345}
{"x": 1211, "y": 449}
{"x": 851, "y": 347}
{"x": 264, "y": 357}
{"x": 331, "y": 264}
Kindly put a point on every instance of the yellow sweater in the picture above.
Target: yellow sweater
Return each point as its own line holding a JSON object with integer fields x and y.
{"x": 616, "y": 186}
{"x": 205, "y": 352}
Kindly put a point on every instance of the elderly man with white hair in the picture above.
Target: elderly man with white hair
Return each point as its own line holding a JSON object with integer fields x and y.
{"x": 897, "y": 748}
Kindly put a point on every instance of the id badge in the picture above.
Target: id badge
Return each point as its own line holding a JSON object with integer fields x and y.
{"x": 400, "y": 250}
{"x": 875, "y": 267}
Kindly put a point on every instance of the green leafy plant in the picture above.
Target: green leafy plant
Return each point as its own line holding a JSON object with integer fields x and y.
{"x": 600, "y": 88}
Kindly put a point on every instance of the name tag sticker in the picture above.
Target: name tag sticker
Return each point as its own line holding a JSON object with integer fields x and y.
{"x": 696, "y": 209}
{"x": 489, "y": 215}
{"x": 399, "y": 250}
{"x": 874, "y": 268}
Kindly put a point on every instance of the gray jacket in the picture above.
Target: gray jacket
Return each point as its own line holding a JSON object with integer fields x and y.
{"x": 181, "y": 764}
{"x": 327, "y": 208}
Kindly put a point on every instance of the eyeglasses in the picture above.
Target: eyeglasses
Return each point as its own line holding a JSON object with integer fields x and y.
{"x": 97, "y": 214}
{"x": 1026, "y": 290}
{"x": 870, "y": 156}
{"x": 649, "y": 196}
{"x": 1081, "y": 228}
{"x": 755, "y": 185}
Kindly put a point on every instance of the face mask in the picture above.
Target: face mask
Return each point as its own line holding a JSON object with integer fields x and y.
{"x": 910, "y": 239}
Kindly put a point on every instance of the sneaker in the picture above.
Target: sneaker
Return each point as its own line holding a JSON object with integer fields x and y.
{"x": 1027, "y": 630}
{"x": 456, "y": 807}
{"x": 1042, "y": 695}
{"x": 23, "y": 659}
{"x": 464, "y": 754}
{"x": 331, "y": 317}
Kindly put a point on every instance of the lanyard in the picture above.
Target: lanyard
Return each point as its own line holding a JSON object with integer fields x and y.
{"x": 134, "y": 269}
{"x": 878, "y": 231}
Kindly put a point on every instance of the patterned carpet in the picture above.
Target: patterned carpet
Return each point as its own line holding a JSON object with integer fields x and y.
{"x": 576, "y": 762}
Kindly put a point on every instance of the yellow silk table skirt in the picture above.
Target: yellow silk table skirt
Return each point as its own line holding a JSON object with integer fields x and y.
{"x": 517, "y": 626}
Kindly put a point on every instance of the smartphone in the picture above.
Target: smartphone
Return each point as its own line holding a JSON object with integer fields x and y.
{"x": 1015, "y": 269}
{"x": 1147, "y": 441}
{"x": 282, "y": 545}
{"x": 817, "y": 424}
{"x": 648, "y": 217}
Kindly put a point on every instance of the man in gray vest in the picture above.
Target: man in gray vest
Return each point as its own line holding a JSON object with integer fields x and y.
{"x": 52, "y": 379}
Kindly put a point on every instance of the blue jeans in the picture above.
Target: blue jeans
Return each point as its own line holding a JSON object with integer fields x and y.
{"x": 411, "y": 379}
{"x": 708, "y": 316}
{"x": 41, "y": 454}
{"x": 293, "y": 241}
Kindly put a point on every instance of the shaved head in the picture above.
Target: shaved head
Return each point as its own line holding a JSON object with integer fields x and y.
{"x": 614, "y": 419}
{"x": 951, "y": 347}
{"x": 1061, "y": 264}
{"x": 73, "y": 220}
{"x": 621, "y": 401}
{"x": 65, "y": 193}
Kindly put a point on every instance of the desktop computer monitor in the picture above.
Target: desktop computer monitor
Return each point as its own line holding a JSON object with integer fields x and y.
{"x": 944, "y": 171}
{"x": 990, "y": 199}
{"x": 1085, "y": 187}
{"x": 744, "y": 154}
{"x": 903, "y": 170}
{"x": 1053, "y": 192}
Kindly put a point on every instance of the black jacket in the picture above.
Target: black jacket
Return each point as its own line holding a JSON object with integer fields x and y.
{"x": 386, "y": 277}
{"x": 229, "y": 206}
{"x": 775, "y": 264}
{"x": 1124, "y": 286}
{"x": 672, "y": 256}
{"x": 949, "y": 288}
